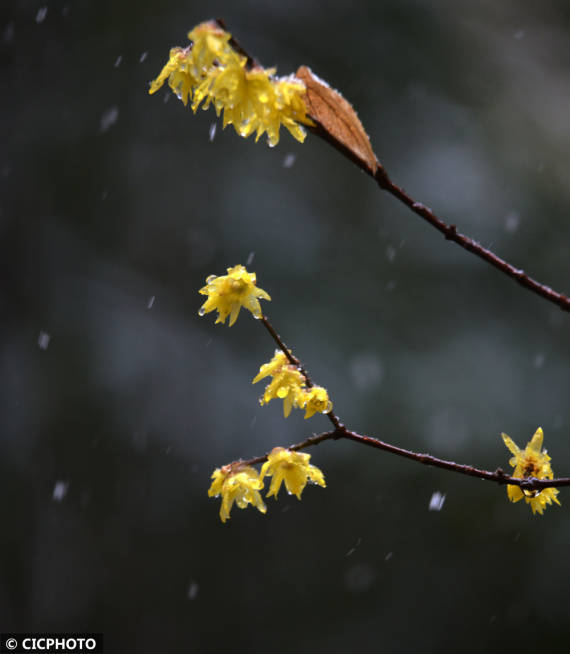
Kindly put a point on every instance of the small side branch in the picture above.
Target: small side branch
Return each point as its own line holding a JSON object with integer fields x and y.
{"x": 449, "y": 231}
{"x": 451, "y": 234}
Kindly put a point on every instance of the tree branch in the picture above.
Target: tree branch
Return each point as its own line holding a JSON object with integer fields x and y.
{"x": 499, "y": 476}
{"x": 449, "y": 231}
{"x": 341, "y": 431}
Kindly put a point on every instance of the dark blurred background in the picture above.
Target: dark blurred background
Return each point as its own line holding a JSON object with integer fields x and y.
{"x": 118, "y": 401}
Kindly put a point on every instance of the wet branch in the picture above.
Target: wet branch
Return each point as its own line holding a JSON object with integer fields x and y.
{"x": 341, "y": 431}
{"x": 449, "y": 231}
{"x": 499, "y": 476}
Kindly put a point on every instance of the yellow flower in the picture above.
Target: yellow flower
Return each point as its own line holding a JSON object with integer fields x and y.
{"x": 287, "y": 383}
{"x": 209, "y": 47}
{"x": 177, "y": 71}
{"x": 253, "y": 100}
{"x": 239, "y": 484}
{"x": 186, "y": 67}
{"x": 531, "y": 462}
{"x": 228, "y": 293}
{"x": 314, "y": 400}
{"x": 273, "y": 367}
{"x": 293, "y": 468}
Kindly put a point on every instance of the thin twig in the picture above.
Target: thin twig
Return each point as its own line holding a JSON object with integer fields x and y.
{"x": 451, "y": 234}
{"x": 449, "y": 231}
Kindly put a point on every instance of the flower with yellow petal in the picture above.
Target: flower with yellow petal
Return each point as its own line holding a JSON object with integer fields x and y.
{"x": 314, "y": 400}
{"x": 273, "y": 367}
{"x": 290, "y": 467}
{"x": 228, "y": 293}
{"x": 287, "y": 384}
{"x": 187, "y": 67}
{"x": 179, "y": 75}
{"x": 253, "y": 100}
{"x": 210, "y": 47}
{"x": 239, "y": 484}
{"x": 531, "y": 462}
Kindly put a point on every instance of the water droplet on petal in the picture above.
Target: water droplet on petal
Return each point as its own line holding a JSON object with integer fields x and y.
{"x": 201, "y": 311}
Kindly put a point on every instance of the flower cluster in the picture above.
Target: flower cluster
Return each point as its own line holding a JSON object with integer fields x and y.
{"x": 290, "y": 467}
{"x": 210, "y": 71}
{"x": 242, "y": 484}
{"x": 229, "y": 293}
{"x": 289, "y": 384}
{"x": 239, "y": 484}
{"x": 531, "y": 462}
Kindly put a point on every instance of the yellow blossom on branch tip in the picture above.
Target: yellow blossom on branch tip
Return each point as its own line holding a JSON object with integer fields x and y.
{"x": 531, "y": 462}
{"x": 253, "y": 100}
{"x": 290, "y": 385}
{"x": 228, "y": 293}
{"x": 286, "y": 385}
{"x": 239, "y": 484}
{"x": 273, "y": 367}
{"x": 290, "y": 467}
{"x": 178, "y": 74}
{"x": 314, "y": 400}
{"x": 287, "y": 382}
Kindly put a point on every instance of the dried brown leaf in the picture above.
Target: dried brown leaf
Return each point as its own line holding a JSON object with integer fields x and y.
{"x": 337, "y": 117}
